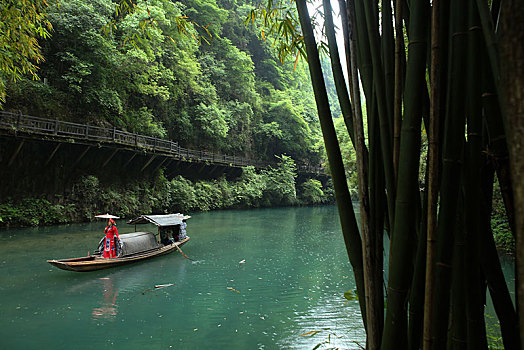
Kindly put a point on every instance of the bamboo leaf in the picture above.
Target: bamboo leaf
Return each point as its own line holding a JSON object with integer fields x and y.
{"x": 311, "y": 333}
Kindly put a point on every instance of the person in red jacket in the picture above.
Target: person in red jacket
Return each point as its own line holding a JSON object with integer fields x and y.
{"x": 109, "y": 244}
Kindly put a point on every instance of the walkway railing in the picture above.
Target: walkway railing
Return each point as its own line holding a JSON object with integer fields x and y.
{"x": 86, "y": 132}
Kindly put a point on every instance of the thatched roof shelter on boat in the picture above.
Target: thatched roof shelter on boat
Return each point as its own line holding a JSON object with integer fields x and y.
{"x": 160, "y": 220}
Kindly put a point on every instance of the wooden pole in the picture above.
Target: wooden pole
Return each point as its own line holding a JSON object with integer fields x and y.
{"x": 52, "y": 154}
{"x": 129, "y": 161}
{"x": 109, "y": 158}
{"x": 13, "y": 157}
{"x": 180, "y": 250}
{"x": 148, "y": 162}
{"x": 81, "y": 155}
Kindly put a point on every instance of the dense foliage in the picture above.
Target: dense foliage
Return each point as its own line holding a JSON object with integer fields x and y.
{"x": 146, "y": 72}
{"x": 21, "y": 23}
{"x": 273, "y": 187}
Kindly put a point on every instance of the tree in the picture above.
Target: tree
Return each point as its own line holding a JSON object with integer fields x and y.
{"x": 21, "y": 24}
{"x": 465, "y": 91}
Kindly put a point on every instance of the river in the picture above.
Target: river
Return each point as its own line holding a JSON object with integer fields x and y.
{"x": 292, "y": 282}
{"x": 259, "y": 279}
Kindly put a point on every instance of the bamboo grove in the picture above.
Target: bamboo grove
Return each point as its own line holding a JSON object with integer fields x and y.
{"x": 427, "y": 69}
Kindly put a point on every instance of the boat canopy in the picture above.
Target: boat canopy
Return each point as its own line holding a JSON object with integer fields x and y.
{"x": 160, "y": 220}
{"x": 138, "y": 242}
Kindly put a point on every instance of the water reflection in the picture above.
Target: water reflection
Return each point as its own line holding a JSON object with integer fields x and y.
{"x": 108, "y": 308}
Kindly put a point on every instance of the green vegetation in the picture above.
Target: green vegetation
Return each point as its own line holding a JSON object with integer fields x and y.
{"x": 499, "y": 224}
{"x": 453, "y": 92}
{"x": 21, "y": 24}
{"x": 438, "y": 206}
{"x": 143, "y": 70}
{"x": 273, "y": 187}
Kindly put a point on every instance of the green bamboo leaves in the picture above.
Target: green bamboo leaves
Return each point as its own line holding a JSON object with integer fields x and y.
{"x": 22, "y": 23}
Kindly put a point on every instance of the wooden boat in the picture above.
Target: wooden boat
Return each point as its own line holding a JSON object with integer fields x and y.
{"x": 96, "y": 262}
{"x": 136, "y": 246}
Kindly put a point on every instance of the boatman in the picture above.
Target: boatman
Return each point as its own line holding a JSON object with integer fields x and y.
{"x": 183, "y": 231}
{"x": 109, "y": 244}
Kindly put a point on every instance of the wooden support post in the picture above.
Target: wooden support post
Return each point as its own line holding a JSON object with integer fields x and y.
{"x": 201, "y": 168}
{"x": 114, "y": 133}
{"x": 213, "y": 169}
{"x": 169, "y": 162}
{"x": 109, "y": 158}
{"x": 129, "y": 161}
{"x": 52, "y": 154}
{"x": 148, "y": 162}
{"x": 81, "y": 156}
{"x": 170, "y": 175}
{"x": 159, "y": 165}
{"x": 18, "y": 120}
{"x": 13, "y": 157}
{"x": 87, "y": 131}
{"x": 56, "y": 126}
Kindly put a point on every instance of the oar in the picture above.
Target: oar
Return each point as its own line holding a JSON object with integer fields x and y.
{"x": 180, "y": 250}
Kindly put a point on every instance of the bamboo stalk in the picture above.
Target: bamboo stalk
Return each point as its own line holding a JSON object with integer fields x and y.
{"x": 387, "y": 41}
{"x": 345, "y": 208}
{"x": 336, "y": 68}
{"x": 437, "y": 101}
{"x": 511, "y": 36}
{"x": 476, "y": 335}
{"x": 491, "y": 41}
{"x": 346, "y": 29}
{"x": 458, "y": 338}
{"x": 407, "y": 196}
{"x": 386, "y": 132}
{"x": 399, "y": 82}
{"x": 416, "y": 295}
{"x": 452, "y": 167}
{"x": 372, "y": 265}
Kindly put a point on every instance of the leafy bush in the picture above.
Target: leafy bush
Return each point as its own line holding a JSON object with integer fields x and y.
{"x": 86, "y": 192}
{"x": 311, "y": 192}
{"x": 248, "y": 191}
{"x": 275, "y": 186}
{"x": 280, "y": 181}
{"x": 34, "y": 212}
{"x": 183, "y": 196}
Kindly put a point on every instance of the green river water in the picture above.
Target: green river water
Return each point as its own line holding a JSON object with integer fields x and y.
{"x": 292, "y": 282}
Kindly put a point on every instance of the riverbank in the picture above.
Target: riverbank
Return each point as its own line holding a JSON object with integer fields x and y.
{"x": 89, "y": 196}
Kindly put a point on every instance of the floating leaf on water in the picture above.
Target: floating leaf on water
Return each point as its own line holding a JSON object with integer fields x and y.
{"x": 320, "y": 344}
{"x": 312, "y": 333}
{"x": 351, "y": 295}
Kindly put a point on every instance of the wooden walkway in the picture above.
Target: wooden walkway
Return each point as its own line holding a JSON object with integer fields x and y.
{"x": 67, "y": 132}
